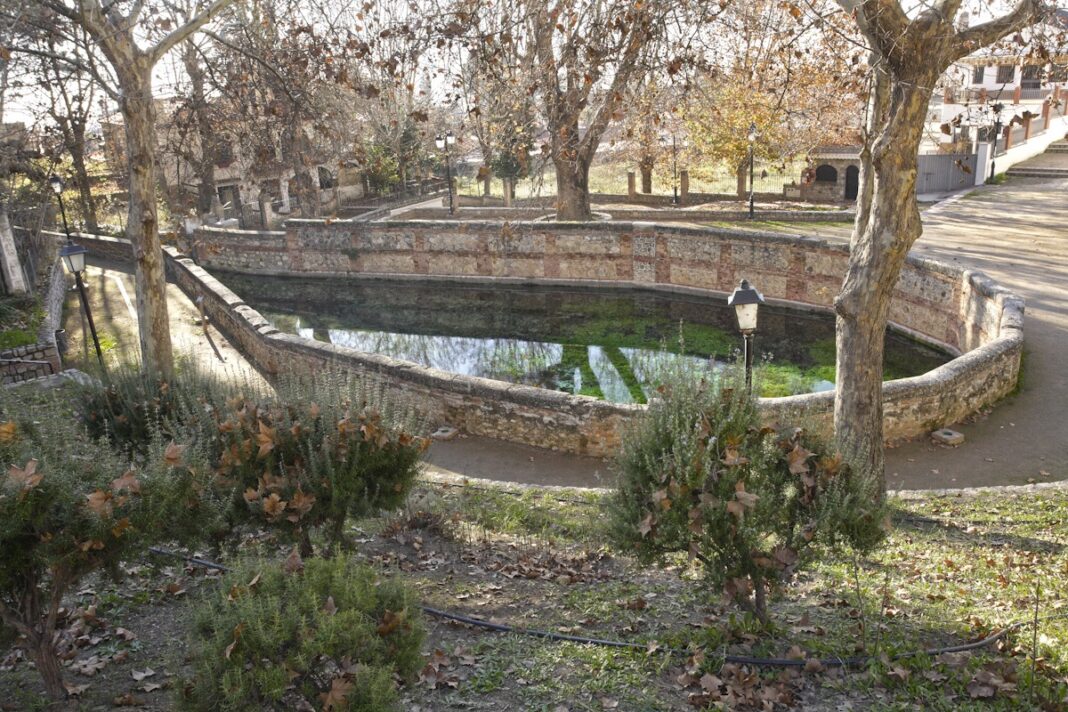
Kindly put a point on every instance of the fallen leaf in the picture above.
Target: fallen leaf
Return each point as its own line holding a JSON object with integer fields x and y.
{"x": 293, "y": 563}
{"x": 127, "y": 482}
{"x": 24, "y": 478}
{"x": 336, "y": 698}
{"x": 329, "y": 608}
{"x": 172, "y": 455}
{"x": 273, "y": 506}
{"x": 8, "y": 431}
{"x": 139, "y": 675}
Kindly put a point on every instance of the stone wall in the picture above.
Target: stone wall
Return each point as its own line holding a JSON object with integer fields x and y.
{"x": 959, "y": 310}
{"x": 632, "y": 215}
{"x": 42, "y": 358}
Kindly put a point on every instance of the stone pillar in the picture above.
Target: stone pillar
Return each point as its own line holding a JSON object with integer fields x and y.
{"x": 217, "y": 208}
{"x": 1016, "y": 93}
{"x": 507, "y": 192}
{"x": 283, "y": 188}
{"x": 1046, "y": 106}
{"x": 266, "y": 212}
{"x": 1027, "y": 128}
{"x": 632, "y": 185}
{"x": 9, "y": 258}
{"x": 684, "y": 186}
{"x": 982, "y": 95}
{"x": 455, "y": 194}
{"x": 1008, "y": 137}
{"x": 984, "y": 154}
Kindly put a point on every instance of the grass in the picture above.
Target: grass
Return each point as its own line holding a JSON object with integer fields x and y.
{"x": 953, "y": 569}
{"x": 20, "y": 318}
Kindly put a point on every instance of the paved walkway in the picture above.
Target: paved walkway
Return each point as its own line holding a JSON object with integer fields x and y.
{"x": 1018, "y": 234}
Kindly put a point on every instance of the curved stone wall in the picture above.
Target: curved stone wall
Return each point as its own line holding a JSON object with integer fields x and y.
{"x": 962, "y": 311}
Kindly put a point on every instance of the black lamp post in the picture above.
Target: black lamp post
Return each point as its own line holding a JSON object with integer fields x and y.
{"x": 752, "y": 150}
{"x": 74, "y": 258}
{"x": 746, "y": 302}
{"x": 996, "y": 108}
{"x": 444, "y": 142}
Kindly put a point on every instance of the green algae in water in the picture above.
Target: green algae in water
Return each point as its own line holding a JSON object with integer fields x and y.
{"x": 605, "y": 343}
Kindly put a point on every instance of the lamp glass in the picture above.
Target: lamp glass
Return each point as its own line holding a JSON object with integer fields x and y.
{"x": 747, "y": 316}
{"x": 439, "y": 141}
{"x": 74, "y": 257}
{"x": 450, "y": 139}
{"x": 56, "y": 184}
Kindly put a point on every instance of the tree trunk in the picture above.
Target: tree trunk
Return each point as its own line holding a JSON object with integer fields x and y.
{"x": 206, "y": 136}
{"x": 76, "y": 148}
{"x": 44, "y": 659}
{"x": 877, "y": 254}
{"x": 742, "y": 174}
{"x": 487, "y": 182}
{"x": 307, "y": 186}
{"x": 647, "y": 177}
{"x": 9, "y": 257}
{"x": 573, "y": 192}
{"x": 142, "y": 227}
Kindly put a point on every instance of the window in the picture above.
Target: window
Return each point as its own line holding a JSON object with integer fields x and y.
{"x": 1006, "y": 73}
{"x": 826, "y": 174}
{"x": 1032, "y": 77}
{"x": 977, "y": 75}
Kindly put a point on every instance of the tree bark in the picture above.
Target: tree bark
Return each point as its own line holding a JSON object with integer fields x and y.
{"x": 307, "y": 186}
{"x": 647, "y": 176}
{"x": 573, "y": 192}
{"x": 44, "y": 659}
{"x": 76, "y": 148}
{"x": 142, "y": 226}
{"x": 877, "y": 256}
{"x": 206, "y": 136}
{"x": 742, "y": 175}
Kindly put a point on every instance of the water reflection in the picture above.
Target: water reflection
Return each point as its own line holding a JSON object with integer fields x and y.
{"x": 610, "y": 344}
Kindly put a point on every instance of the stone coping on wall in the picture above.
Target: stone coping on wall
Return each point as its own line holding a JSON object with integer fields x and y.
{"x": 631, "y": 215}
{"x": 961, "y": 310}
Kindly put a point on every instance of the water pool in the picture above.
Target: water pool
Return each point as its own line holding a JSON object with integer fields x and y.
{"x": 604, "y": 342}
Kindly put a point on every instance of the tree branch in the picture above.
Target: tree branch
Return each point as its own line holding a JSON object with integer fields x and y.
{"x": 180, "y": 33}
{"x": 1025, "y": 13}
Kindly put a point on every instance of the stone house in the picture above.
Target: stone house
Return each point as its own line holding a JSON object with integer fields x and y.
{"x": 833, "y": 174}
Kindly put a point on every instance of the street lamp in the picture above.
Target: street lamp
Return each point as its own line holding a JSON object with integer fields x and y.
{"x": 996, "y": 109}
{"x": 752, "y": 150}
{"x": 74, "y": 258}
{"x": 444, "y": 142}
{"x": 746, "y": 302}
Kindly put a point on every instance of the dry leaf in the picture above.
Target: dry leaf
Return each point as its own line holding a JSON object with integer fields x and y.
{"x": 173, "y": 454}
{"x": 127, "y": 482}
{"x": 100, "y": 503}
{"x": 139, "y": 675}
{"x": 8, "y": 431}
{"x": 293, "y": 563}
{"x": 329, "y": 608}
{"x": 336, "y": 698}
{"x": 273, "y": 506}
{"x": 24, "y": 478}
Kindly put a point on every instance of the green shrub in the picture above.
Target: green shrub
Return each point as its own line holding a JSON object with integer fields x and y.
{"x": 69, "y": 506}
{"x": 315, "y": 452}
{"x": 700, "y": 475}
{"x": 269, "y": 639}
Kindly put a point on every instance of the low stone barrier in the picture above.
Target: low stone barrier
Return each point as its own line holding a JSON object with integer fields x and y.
{"x": 637, "y": 215}
{"x": 25, "y": 363}
{"x": 959, "y": 310}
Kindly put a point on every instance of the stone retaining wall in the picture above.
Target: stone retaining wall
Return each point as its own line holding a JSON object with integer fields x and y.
{"x": 639, "y": 215}
{"x": 959, "y": 310}
{"x": 15, "y": 363}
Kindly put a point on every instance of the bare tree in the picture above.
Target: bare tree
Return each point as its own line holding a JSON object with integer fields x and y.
{"x": 909, "y": 53}
{"x": 116, "y": 34}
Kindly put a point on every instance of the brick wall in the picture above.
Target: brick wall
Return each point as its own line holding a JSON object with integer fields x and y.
{"x": 960, "y": 310}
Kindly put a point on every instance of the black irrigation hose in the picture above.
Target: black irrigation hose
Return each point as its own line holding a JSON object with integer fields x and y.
{"x": 851, "y": 662}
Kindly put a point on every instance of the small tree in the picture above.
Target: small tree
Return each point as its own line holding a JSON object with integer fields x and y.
{"x": 70, "y": 506}
{"x": 750, "y": 504}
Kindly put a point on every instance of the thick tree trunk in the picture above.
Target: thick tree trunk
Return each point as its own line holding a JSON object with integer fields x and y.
{"x": 573, "y": 192}
{"x": 647, "y": 177}
{"x": 142, "y": 227}
{"x": 205, "y": 163}
{"x": 878, "y": 250}
{"x": 487, "y": 182}
{"x": 742, "y": 175}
